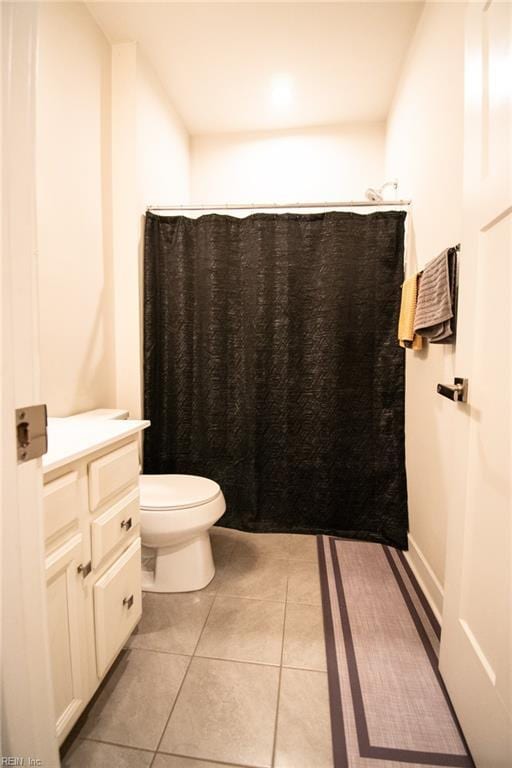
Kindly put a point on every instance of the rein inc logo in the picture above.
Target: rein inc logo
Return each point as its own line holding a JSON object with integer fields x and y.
{"x": 16, "y": 760}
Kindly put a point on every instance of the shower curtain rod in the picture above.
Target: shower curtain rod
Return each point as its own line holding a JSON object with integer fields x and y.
{"x": 249, "y": 206}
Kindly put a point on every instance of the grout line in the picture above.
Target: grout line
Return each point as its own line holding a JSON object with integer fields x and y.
{"x": 115, "y": 744}
{"x": 247, "y": 597}
{"x": 280, "y": 675}
{"x": 209, "y": 760}
{"x": 272, "y": 664}
{"x": 157, "y": 650}
{"x": 226, "y": 658}
{"x": 305, "y": 669}
{"x": 182, "y": 683}
{"x": 309, "y": 605}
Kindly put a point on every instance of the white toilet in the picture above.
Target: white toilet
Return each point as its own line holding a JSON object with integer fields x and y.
{"x": 176, "y": 513}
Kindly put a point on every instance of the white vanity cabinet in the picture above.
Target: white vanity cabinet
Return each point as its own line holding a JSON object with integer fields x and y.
{"x": 92, "y": 555}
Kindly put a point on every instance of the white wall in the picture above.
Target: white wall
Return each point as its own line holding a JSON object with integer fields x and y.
{"x": 425, "y": 152}
{"x": 73, "y": 207}
{"x": 150, "y": 156}
{"x": 108, "y": 144}
{"x": 162, "y": 143}
{"x": 314, "y": 164}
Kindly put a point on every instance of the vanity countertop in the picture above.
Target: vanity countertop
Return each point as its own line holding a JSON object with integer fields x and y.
{"x": 70, "y": 439}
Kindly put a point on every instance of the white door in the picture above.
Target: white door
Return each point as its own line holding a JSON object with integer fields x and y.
{"x": 476, "y": 646}
{"x": 28, "y": 726}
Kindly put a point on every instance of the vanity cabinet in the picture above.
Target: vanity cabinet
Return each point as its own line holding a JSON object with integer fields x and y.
{"x": 92, "y": 563}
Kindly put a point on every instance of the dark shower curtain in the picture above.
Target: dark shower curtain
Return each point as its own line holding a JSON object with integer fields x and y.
{"x": 271, "y": 365}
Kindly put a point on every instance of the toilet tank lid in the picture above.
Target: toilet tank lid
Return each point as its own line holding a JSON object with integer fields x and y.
{"x": 176, "y": 491}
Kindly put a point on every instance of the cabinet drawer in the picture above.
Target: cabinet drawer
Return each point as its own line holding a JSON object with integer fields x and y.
{"x": 113, "y": 526}
{"x": 117, "y": 605}
{"x": 112, "y": 473}
{"x": 61, "y": 504}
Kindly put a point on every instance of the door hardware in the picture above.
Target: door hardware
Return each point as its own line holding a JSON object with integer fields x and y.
{"x": 85, "y": 569}
{"x": 31, "y": 432}
{"x": 458, "y": 391}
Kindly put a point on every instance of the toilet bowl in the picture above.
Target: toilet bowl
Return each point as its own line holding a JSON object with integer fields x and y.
{"x": 176, "y": 513}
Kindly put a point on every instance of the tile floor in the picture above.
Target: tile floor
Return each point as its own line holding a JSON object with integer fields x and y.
{"x": 230, "y": 676}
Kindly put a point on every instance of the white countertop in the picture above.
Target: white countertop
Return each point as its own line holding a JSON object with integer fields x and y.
{"x": 70, "y": 439}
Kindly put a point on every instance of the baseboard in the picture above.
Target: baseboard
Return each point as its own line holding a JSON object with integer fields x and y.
{"x": 426, "y": 578}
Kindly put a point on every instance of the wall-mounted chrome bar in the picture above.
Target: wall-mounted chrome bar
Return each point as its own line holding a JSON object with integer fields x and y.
{"x": 272, "y": 206}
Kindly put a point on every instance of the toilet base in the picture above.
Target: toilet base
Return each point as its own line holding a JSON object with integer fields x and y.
{"x": 185, "y": 567}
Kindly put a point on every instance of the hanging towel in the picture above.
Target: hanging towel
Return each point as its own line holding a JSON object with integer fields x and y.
{"x": 435, "y": 309}
{"x": 406, "y": 336}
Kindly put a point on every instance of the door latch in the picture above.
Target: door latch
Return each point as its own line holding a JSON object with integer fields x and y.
{"x": 31, "y": 432}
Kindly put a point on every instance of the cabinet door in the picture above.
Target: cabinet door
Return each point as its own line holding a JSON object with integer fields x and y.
{"x": 65, "y": 602}
{"x": 117, "y": 606}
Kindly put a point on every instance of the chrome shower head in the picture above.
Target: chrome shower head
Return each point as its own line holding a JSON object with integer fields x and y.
{"x": 373, "y": 195}
{"x": 376, "y": 196}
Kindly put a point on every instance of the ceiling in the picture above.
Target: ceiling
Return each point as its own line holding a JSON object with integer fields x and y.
{"x": 258, "y": 66}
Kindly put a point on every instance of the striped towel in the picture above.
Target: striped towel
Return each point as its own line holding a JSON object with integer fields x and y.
{"x": 406, "y": 335}
{"x": 435, "y": 309}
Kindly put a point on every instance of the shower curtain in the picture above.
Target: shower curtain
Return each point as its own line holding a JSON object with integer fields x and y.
{"x": 271, "y": 365}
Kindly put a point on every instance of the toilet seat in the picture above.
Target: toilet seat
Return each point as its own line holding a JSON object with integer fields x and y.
{"x": 172, "y": 492}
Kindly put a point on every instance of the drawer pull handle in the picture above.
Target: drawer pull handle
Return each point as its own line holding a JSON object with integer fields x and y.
{"x": 85, "y": 569}
{"x": 128, "y": 601}
{"x": 127, "y": 524}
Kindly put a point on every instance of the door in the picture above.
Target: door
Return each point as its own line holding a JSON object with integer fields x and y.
{"x": 66, "y": 602}
{"x": 476, "y": 646}
{"x": 28, "y": 727}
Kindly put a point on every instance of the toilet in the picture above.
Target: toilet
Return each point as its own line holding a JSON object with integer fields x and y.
{"x": 176, "y": 514}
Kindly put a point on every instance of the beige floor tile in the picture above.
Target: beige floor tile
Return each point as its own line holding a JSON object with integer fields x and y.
{"x": 262, "y": 578}
{"x": 171, "y": 623}
{"x": 256, "y": 545}
{"x": 304, "y": 583}
{"x": 302, "y": 547}
{"x": 94, "y": 754}
{"x": 304, "y": 642}
{"x": 173, "y": 761}
{"x": 228, "y": 532}
{"x": 243, "y": 630}
{"x": 225, "y": 711}
{"x": 223, "y": 543}
{"x": 133, "y": 706}
{"x": 303, "y": 724}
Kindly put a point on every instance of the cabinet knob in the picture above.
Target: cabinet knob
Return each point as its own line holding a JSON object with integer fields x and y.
{"x": 128, "y": 601}
{"x": 85, "y": 569}
{"x": 127, "y": 524}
